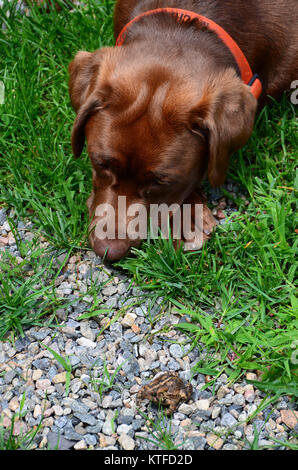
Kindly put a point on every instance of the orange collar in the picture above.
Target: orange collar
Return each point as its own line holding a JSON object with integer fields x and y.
{"x": 184, "y": 15}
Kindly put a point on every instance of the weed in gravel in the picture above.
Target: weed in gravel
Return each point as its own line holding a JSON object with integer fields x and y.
{"x": 13, "y": 439}
{"x": 160, "y": 431}
{"x": 102, "y": 380}
{"x": 65, "y": 363}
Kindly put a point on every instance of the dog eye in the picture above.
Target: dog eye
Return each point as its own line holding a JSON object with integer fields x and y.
{"x": 102, "y": 163}
{"x": 155, "y": 186}
{"x": 100, "y": 166}
{"x": 158, "y": 182}
{"x": 200, "y": 130}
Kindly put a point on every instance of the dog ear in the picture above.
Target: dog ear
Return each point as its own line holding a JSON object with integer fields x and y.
{"x": 227, "y": 111}
{"x": 84, "y": 73}
{"x": 80, "y": 70}
{"x": 91, "y": 106}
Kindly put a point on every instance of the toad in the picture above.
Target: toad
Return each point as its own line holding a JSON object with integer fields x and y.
{"x": 166, "y": 389}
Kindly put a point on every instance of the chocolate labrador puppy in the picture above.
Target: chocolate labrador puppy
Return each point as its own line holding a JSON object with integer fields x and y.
{"x": 168, "y": 105}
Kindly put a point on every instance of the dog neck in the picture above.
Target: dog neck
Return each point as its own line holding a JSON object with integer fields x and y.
{"x": 191, "y": 19}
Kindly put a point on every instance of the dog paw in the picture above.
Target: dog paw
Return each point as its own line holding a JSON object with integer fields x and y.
{"x": 203, "y": 223}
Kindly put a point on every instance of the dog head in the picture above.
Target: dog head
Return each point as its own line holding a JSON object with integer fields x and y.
{"x": 153, "y": 130}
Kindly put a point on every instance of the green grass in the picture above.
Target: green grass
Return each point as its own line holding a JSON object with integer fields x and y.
{"x": 65, "y": 363}
{"x": 160, "y": 431}
{"x": 27, "y": 288}
{"x": 102, "y": 380}
{"x": 25, "y": 439}
{"x": 38, "y": 174}
{"x": 239, "y": 291}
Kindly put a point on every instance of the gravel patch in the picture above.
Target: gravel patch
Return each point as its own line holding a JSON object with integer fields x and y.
{"x": 101, "y": 412}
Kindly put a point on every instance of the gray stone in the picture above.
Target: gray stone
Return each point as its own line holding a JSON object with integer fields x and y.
{"x": 58, "y": 442}
{"x": 282, "y": 405}
{"x": 176, "y": 351}
{"x": 185, "y": 375}
{"x": 2, "y": 216}
{"x": 95, "y": 429}
{"x": 86, "y": 343}
{"x": 71, "y": 434}
{"x": 186, "y": 409}
{"x": 198, "y": 442}
{"x": 230, "y": 447}
{"x": 128, "y": 336}
{"x": 116, "y": 329}
{"x": 107, "y": 401}
{"x": 85, "y": 378}
{"x": 22, "y": 343}
{"x": 136, "y": 339}
{"x": 74, "y": 360}
{"x": 116, "y": 403}
{"x": 109, "y": 290}
{"x": 131, "y": 367}
{"x": 205, "y": 414}
{"x": 126, "y": 442}
{"x": 238, "y": 399}
{"x": 238, "y": 434}
{"x": 10, "y": 375}
{"x": 107, "y": 428}
{"x": 40, "y": 335}
{"x": 7, "y": 396}
{"x": 122, "y": 288}
{"x": 86, "y": 418}
{"x": 86, "y": 360}
{"x": 228, "y": 420}
{"x": 90, "y": 439}
{"x": 173, "y": 365}
{"x": 126, "y": 419}
{"x": 141, "y": 311}
{"x": 6, "y": 226}
{"x": 112, "y": 302}
{"x": 78, "y": 407}
{"x": 155, "y": 365}
{"x": 123, "y": 428}
{"x": 72, "y": 323}
{"x": 137, "y": 424}
{"x": 61, "y": 422}
{"x": 43, "y": 364}
{"x": 87, "y": 332}
{"x": 115, "y": 394}
{"x": 207, "y": 426}
{"x": 226, "y": 400}
{"x": 21, "y": 226}
{"x": 52, "y": 372}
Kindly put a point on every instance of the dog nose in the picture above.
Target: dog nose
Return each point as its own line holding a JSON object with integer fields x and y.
{"x": 111, "y": 250}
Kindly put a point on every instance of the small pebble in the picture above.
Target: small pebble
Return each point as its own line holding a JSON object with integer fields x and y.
{"x": 126, "y": 442}
{"x": 228, "y": 420}
{"x": 81, "y": 445}
{"x": 59, "y": 378}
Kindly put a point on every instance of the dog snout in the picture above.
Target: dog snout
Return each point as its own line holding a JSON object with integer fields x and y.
{"x": 112, "y": 250}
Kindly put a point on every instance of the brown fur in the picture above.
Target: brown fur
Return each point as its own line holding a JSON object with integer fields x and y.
{"x": 168, "y": 107}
